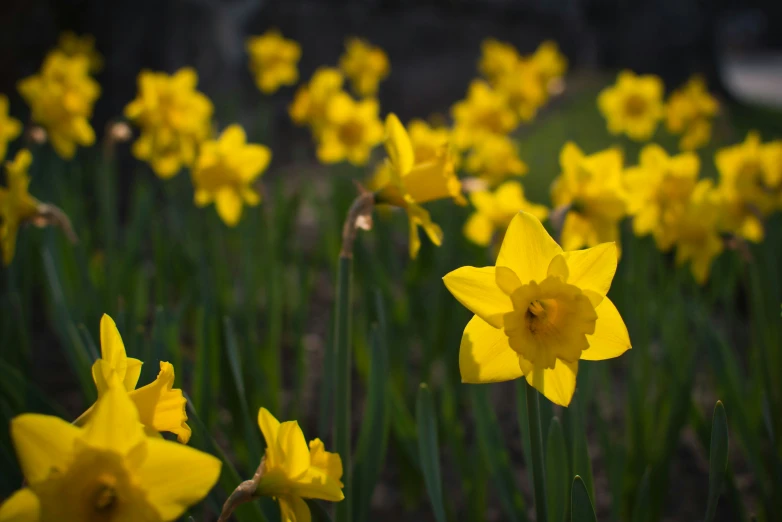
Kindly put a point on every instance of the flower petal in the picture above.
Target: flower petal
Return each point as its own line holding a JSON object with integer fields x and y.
{"x": 229, "y": 206}
{"x": 22, "y": 506}
{"x": 477, "y": 290}
{"x": 485, "y": 355}
{"x": 556, "y": 384}
{"x": 593, "y": 268}
{"x": 114, "y": 422}
{"x": 42, "y": 443}
{"x": 398, "y": 145}
{"x": 161, "y": 406}
{"x": 292, "y": 444}
{"x": 316, "y": 483}
{"x": 329, "y": 462}
{"x": 479, "y": 229}
{"x": 294, "y": 509}
{"x": 610, "y": 338}
{"x": 527, "y": 248}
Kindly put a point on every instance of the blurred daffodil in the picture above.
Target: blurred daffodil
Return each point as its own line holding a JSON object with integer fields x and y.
{"x": 483, "y": 112}
{"x": 494, "y": 159}
{"x": 10, "y": 127}
{"x": 550, "y": 63}
{"x": 61, "y": 96}
{"x": 538, "y": 312}
{"x": 351, "y": 130}
{"x": 74, "y": 45}
{"x": 273, "y": 60}
{"x": 497, "y": 59}
{"x": 365, "y": 65}
{"x": 658, "y": 190}
{"x": 591, "y": 187}
{"x": 633, "y": 105}
{"x": 293, "y": 470}
{"x": 160, "y": 406}
{"x": 428, "y": 141}
{"x": 310, "y": 102}
{"x": 174, "y": 119}
{"x": 225, "y": 171}
{"x": 16, "y": 203}
{"x": 689, "y": 111}
{"x": 698, "y": 240}
{"x": 495, "y": 210}
{"x": 108, "y": 470}
{"x": 524, "y": 89}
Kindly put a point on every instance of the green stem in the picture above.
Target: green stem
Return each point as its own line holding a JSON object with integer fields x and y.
{"x": 536, "y": 440}
{"x": 342, "y": 379}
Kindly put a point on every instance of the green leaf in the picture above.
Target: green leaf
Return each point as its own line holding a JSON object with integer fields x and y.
{"x": 342, "y": 374}
{"x": 582, "y": 465}
{"x": 557, "y": 472}
{"x": 429, "y": 450}
{"x": 581, "y": 509}
{"x": 641, "y": 507}
{"x": 718, "y": 459}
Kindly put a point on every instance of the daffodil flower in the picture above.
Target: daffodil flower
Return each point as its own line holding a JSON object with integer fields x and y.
{"x": 311, "y": 101}
{"x": 698, "y": 240}
{"x": 538, "y": 312}
{"x": 633, "y": 105}
{"x": 10, "y": 127}
{"x": 365, "y": 65}
{"x": 16, "y": 203}
{"x": 689, "y": 111}
{"x": 74, "y": 45}
{"x": 273, "y": 61}
{"x": 495, "y": 210}
{"x": 497, "y": 59}
{"x": 494, "y": 159}
{"x": 350, "y": 131}
{"x": 107, "y": 470}
{"x": 483, "y": 112}
{"x": 293, "y": 470}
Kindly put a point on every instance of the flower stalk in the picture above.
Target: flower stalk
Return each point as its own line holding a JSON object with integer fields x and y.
{"x": 244, "y": 492}
{"x": 536, "y": 443}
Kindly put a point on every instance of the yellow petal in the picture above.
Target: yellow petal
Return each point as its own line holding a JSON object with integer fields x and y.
{"x": 329, "y": 462}
{"x": 42, "y": 443}
{"x": 252, "y": 160}
{"x": 477, "y": 290}
{"x": 112, "y": 349}
{"x": 175, "y": 476}
{"x": 161, "y": 406}
{"x": 269, "y": 426}
{"x": 558, "y": 267}
{"x": 398, "y": 145}
{"x": 479, "y": 229}
{"x": 114, "y": 423}
{"x": 232, "y": 138}
{"x": 229, "y": 206}
{"x": 291, "y": 444}
{"x": 610, "y": 338}
{"x": 556, "y": 384}
{"x": 485, "y": 355}
{"x": 294, "y": 509}
{"x": 22, "y": 506}
{"x": 316, "y": 483}
{"x": 593, "y": 268}
{"x": 527, "y": 248}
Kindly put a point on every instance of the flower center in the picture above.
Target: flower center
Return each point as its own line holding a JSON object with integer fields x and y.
{"x": 351, "y": 133}
{"x": 104, "y": 498}
{"x": 635, "y": 105}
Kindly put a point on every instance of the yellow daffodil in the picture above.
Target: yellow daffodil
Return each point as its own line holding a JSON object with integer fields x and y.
{"x": 483, "y": 112}
{"x": 10, "y": 127}
{"x": 689, "y": 111}
{"x": 225, "y": 171}
{"x": 549, "y": 62}
{"x": 61, "y": 97}
{"x": 538, "y": 312}
{"x": 495, "y": 210}
{"x": 698, "y": 240}
{"x": 658, "y": 190}
{"x": 16, "y": 203}
{"x": 633, "y": 105}
{"x": 524, "y": 88}
{"x": 310, "y": 102}
{"x": 494, "y": 159}
{"x": 497, "y": 59}
{"x": 174, "y": 119}
{"x": 293, "y": 470}
{"x": 107, "y": 470}
{"x": 161, "y": 407}
{"x": 412, "y": 183}
{"x": 74, "y": 45}
{"x": 365, "y": 65}
{"x": 273, "y": 61}
{"x": 351, "y": 130}
{"x": 592, "y": 188}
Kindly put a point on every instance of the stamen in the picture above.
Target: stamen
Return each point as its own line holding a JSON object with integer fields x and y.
{"x": 105, "y": 498}
{"x": 537, "y": 309}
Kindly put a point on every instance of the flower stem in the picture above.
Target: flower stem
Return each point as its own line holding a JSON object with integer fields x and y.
{"x": 536, "y": 444}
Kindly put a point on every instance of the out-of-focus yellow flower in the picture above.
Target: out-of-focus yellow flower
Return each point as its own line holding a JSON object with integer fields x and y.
{"x": 160, "y": 406}
{"x": 592, "y": 187}
{"x": 483, "y": 112}
{"x": 293, "y": 471}
{"x": 16, "y": 203}
{"x": 273, "y": 60}
{"x": 495, "y": 158}
{"x": 633, "y": 105}
{"x": 689, "y": 112}
{"x": 524, "y": 88}
{"x": 549, "y": 62}
{"x": 412, "y": 183}
{"x": 61, "y": 96}
{"x": 497, "y": 59}
{"x": 108, "y": 470}
{"x": 225, "y": 171}
{"x": 495, "y": 210}
{"x": 365, "y": 65}
{"x": 74, "y": 45}
{"x": 10, "y": 127}
{"x": 174, "y": 119}
{"x": 310, "y": 102}
{"x": 351, "y": 130}
{"x": 538, "y": 312}
{"x": 698, "y": 240}
{"x": 658, "y": 190}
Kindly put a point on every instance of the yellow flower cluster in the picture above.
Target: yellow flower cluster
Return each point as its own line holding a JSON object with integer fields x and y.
{"x": 273, "y": 61}
{"x": 689, "y": 112}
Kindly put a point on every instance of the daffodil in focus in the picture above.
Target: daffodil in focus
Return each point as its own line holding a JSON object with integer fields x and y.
{"x": 310, "y": 102}
{"x": 351, "y": 130}
{"x": 74, "y": 45}
{"x": 538, "y": 312}
{"x": 108, "y": 470}
{"x": 592, "y": 189}
{"x": 483, "y": 112}
{"x": 412, "y": 183}
{"x": 294, "y": 470}
{"x": 16, "y": 203}
{"x": 698, "y": 241}
{"x": 497, "y": 59}
{"x": 658, "y": 190}
{"x": 160, "y": 406}
{"x": 273, "y": 61}
{"x": 10, "y": 128}
{"x": 61, "y": 96}
{"x": 365, "y": 65}
{"x": 225, "y": 171}
{"x": 633, "y": 105}
{"x": 494, "y": 159}
{"x": 174, "y": 119}
{"x": 495, "y": 210}
{"x": 689, "y": 111}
